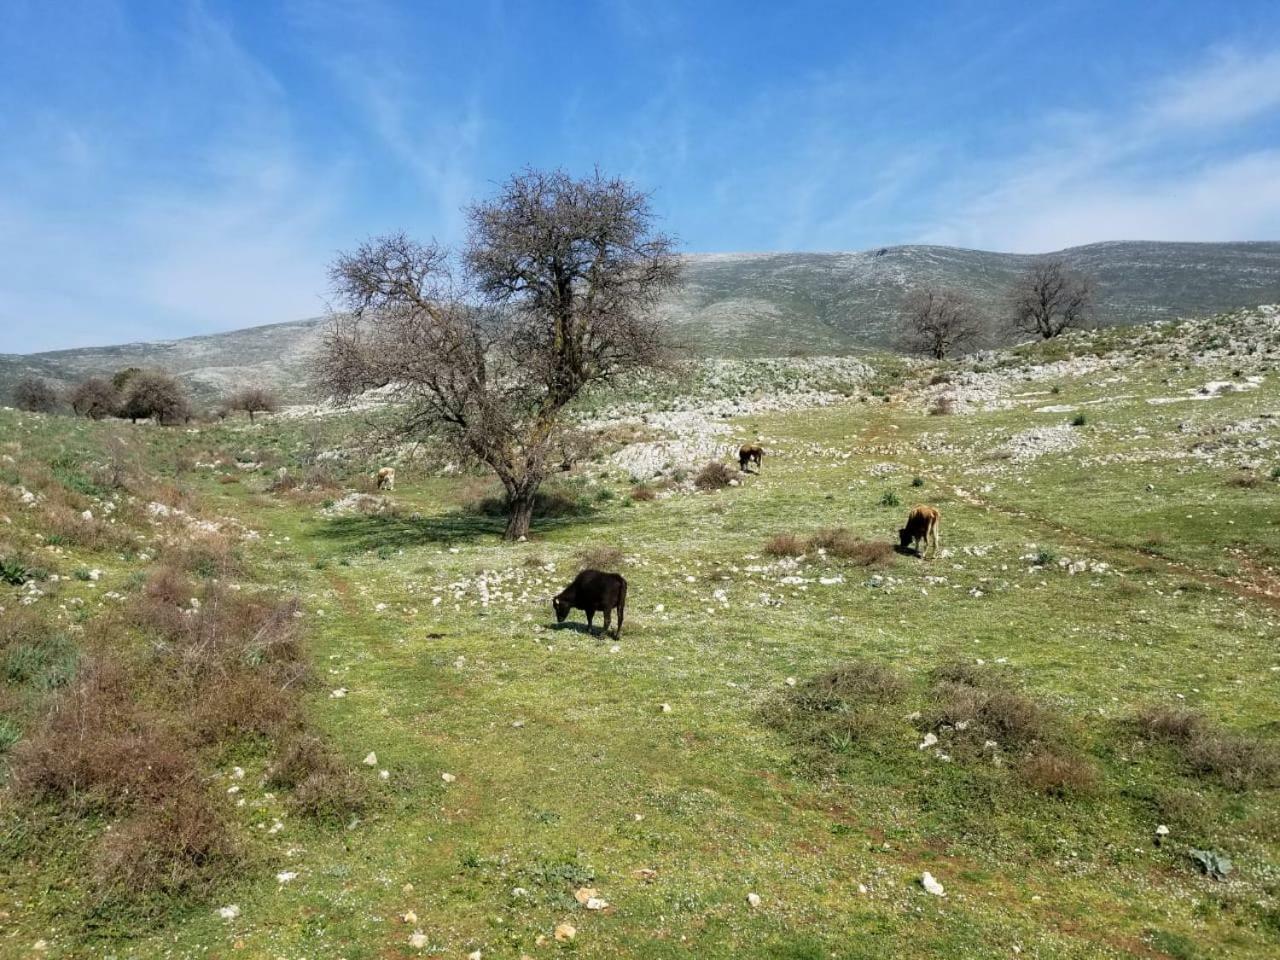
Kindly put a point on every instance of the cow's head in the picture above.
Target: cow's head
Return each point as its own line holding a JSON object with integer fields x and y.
{"x": 561, "y": 607}
{"x": 904, "y": 537}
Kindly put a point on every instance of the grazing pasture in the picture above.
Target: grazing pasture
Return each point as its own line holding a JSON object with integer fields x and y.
{"x": 796, "y": 726}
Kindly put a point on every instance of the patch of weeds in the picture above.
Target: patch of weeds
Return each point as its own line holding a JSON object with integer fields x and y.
{"x": 1239, "y": 761}
{"x": 323, "y": 788}
{"x": 785, "y": 545}
{"x": 642, "y": 493}
{"x": 1045, "y": 557}
{"x": 600, "y": 557}
{"x": 714, "y": 476}
{"x": 917, "y": 481}
{"x": 9, "y": 734}
{"x": 890, "y": 499}
{"x": 1079, "y": 420}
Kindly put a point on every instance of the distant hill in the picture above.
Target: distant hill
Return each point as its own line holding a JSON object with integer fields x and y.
{"x": 767, "y": 304}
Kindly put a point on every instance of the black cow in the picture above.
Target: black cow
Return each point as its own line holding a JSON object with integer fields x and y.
{"x": 590, "y": 591}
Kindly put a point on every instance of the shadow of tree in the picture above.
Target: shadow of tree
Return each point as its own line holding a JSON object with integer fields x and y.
{"x": 359, "y": 532}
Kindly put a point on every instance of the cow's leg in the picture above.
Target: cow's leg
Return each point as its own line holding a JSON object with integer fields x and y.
{"x": 608, "y": 620}
{"x": 622, "y": 606}
{"x": 591, "y": 619}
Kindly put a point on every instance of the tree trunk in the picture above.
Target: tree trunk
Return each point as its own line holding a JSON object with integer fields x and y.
{"x": 519, "y": 515}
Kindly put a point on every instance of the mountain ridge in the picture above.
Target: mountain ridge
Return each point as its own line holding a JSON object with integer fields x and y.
{"x": 760, "y": 304}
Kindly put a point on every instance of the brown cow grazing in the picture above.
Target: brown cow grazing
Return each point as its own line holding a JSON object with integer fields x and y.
{"x": 386, "y": 478}
{"x": 922, "y": 526}
{"x": 590, "y": 591}
{"x": 750, "y": 453}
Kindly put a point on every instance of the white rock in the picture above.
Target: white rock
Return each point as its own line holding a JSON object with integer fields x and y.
{"x": 384, "y": 774}
{"x": 753, "y": 899}
{"x": 931, "y": 885}
{"x": 284, "y": 876}
{"x": 929, "y": 740}
{"x": 448, "y": 777}
{"x": 417, "y": 940}
{"x": 665, "y": 708}
{"x": 229, "y": 912}
{"x": 371, "y": 760}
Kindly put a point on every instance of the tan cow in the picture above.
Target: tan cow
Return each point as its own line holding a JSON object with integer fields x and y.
{"x": 386, "y": 478}
{"x": 922, "y": 527}
{"x": 748, "y": 454}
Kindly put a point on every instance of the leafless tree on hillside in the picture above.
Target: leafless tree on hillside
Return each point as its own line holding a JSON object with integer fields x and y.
{"x": 939, "y": 322}
{"x": 253, "y": 400}
{"x": 36, "y": 395}
{"x": 1050, "y": 298}
{"x": 95, "y": 398}
{"x": 556, "y": 290}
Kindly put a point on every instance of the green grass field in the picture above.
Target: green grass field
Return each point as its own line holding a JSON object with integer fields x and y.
{"x": 1122, "y": 568}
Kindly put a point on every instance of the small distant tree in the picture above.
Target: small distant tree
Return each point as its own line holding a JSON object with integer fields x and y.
{"x": 939, "y": 322}
{"x": 1050, "y": 299}
{"x": 36, "y": 395}
{"x": 253, "y": 400}
{"x": 562, "y": 277}
{"x": 152, "y": 394}
{"x": 94, "y": 398}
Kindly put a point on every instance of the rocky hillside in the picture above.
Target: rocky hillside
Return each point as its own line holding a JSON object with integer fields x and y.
{"x": 765, "y": 305}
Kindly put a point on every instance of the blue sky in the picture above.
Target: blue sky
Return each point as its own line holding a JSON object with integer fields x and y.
{"x": 170, "y": 168}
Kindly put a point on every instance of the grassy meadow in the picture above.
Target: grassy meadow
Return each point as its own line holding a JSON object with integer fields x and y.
{"x": 796, "y": 724}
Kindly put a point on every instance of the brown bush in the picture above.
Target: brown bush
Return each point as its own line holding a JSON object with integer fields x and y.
{"x": 179, "y": 846}
{"x": 67, "y": 525}
{"x": 785, "y": 545}
{"x": 322, "y": 787}
{"x": 97, "y": 750}
{"x": 600, "y": 557}
{"x": 967, "y": 695}
{"x": 1239, "y": 761}
{"x": 1245, "y": 480}
{"x": 856, "y": 681}
{"x": 714, "y": 476}
{"x": 642, "y": 493}
{"x": 1170, "y": 724}
{"x": 942, "y": 406}
{"x": 839, "y": 542}
{"x": 210, "y": 555}
{"x": 1058, "y": 774}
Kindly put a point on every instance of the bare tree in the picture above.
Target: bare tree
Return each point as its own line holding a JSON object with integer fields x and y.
{"x": 253, "y": 400}
{"x": 937, "y": 322}
{"x": 155, "y": 394}
{"x": 36, "y": 395}
{"x": 94, "y": 398}
{"x": 1050, "y": 298}
{"x": 556, "y": 291}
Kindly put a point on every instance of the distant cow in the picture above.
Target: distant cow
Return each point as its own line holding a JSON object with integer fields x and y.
{"x": 386, "y": 478}
{"x": 748, "y": 454}
{"x": 922, "y": 527}
{"x": 590, "y": 591}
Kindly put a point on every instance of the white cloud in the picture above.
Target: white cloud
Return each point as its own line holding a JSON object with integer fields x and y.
{"x": 1230, "y": 88}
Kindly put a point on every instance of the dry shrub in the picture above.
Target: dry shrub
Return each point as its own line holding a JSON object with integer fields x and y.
{"x": 209, "y": 556}
{"x": 228, "y": 478}
{"x": 96, "y": 750}
{"x": 1245, "y": 480}
{"x": 600, "y": 557}
{"x": 1240, "y": 761}
{"x": 180, "y": 846}
{"x": 1170, "y": 724}
{"x": 642, "y": 493}
{"x": 68, "y": 525}
{"x": 1059, "y": 774}
{"x": 979, "y": 707}
{"x": 785, "y": 545}
{"x": 839, "y": 542}
{"x": 323, "y": 788}
{"x": 244, "y": 702}
{"x": 942, "y": 406}
{"x": 858, "y": 681}
{"x": 714, "y": 476}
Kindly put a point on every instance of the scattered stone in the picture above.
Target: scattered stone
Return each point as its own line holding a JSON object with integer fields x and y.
{"x": 753, "y": 899}
{"x": 371, "y": 760}
{"x": 229, "y": 912}
{"x": 931, "y": 885}
{"x": 448, "y": 777}
{"x": 565, "y": 932}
